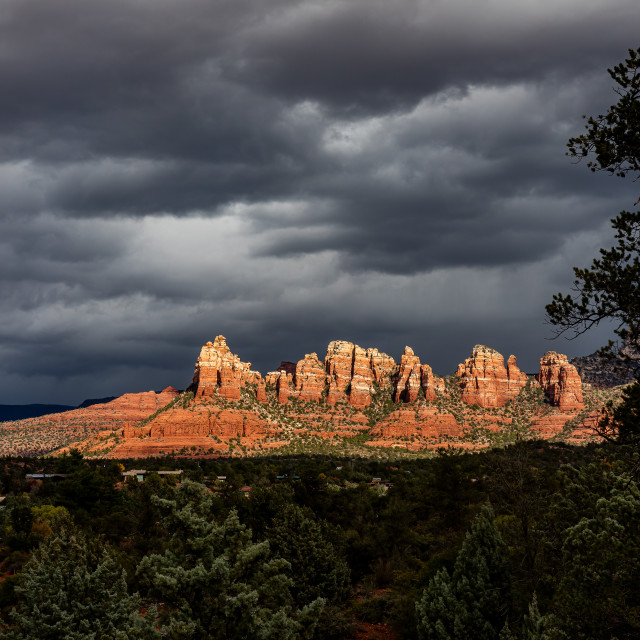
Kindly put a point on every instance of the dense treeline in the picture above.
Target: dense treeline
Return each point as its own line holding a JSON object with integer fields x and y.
{"x": 538, "y": 540}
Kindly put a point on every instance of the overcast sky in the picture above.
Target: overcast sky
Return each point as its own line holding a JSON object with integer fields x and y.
{"x": 290, "y": 173}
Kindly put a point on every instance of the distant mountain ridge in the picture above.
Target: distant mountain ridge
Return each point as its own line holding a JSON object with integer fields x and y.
{"x": 604, "y": 373}
{"x": 10, "y": 412}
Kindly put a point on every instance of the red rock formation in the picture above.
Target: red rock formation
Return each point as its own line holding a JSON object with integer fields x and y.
{"x": 309, "y": 378}
{"x": 272, "y": 377}
{"x": 548, "y": 425}
{"x": 485, "y": 381}
{"x": 289, "y": 367}
{"x": 218, "y": 368}
{"x": 283, "y": 387}
{"x": 409, "y": 377}
{"x": 362, "y": 379}
{"x": 560, "y": 381}
{"x": 360, "y": 391}
{"x": 413, "y": 376}
{"x": 426, "y": 422}
{"x": 338, "y": 362}
{"x": 252, "y": 377}
{"x": 207, "y": 420}
{"x": 516, "y": 379}
{"x": 352, "y": 371}
{"x": 128, "y": 409}
{"x": 200, "y": 429}
{"x": 431, "y": 385}
{"x": 261, "y": 392}
{"x": 381, "y": 365}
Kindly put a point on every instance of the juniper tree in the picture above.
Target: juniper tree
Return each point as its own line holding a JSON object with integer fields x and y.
{"x": 597, "y": 597}
{"x": 74, "y": 589}
{"x": 215, "y": 582}
{"x": 318, "y": 570}
{"x": 474, "y": 601}
{"x": 537, "y": 626}
{"x": 506, "y": 633}
{"x": 608, "y": 290}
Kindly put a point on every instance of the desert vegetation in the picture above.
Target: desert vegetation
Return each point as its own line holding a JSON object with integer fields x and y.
{"x": 343, "y": 543}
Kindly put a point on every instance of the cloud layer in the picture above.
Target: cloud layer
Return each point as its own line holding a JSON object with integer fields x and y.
{"x": 291, "y": 173}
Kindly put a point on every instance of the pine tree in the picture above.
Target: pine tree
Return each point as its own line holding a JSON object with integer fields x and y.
{"x": 609, "y": 290}
{"x": 598, "y": 596}
{"x": 506, "y": 633}
{"x": 215, "y": 582}
{"x": 317, "y": 569}
{"x": 439, "y": 611}
{"x": 73, "y": 589}
{"x": 539, "y": 627}
{"x": 474, "y": 601}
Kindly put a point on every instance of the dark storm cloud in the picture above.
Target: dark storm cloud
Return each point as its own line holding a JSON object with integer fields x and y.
{"x": 288, "y": 173}
{"x": 369, "y": 54}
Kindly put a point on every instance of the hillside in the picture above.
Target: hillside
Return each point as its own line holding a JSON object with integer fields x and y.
{"x": 604, "y": 373}
{"x": 357, "y": 400}
{"x": 54, "y": 432}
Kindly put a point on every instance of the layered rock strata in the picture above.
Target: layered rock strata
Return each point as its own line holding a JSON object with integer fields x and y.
{"x": 261, "y": 391}
{"x": 348, "y": 378}
{"x": 413, "y": 376}
{"x": 310, "y": 378}
{"x": 560, "y": 381}
{"x": 217, "y": 369}
{"x": 409, "y": 377}
{"x": 352, "y": 372}
{"x": 426, "y": 422}
{"x": 283, "y": 386}
{"x": 485, "y": 381}
{"x": 225, "y": 423}
{"x": 431, "y": 384}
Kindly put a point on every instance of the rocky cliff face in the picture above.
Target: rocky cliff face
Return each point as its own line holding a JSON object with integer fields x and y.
{"x": 204, "y": 421}
{"x": 560, "y": 381}
{"x": 412, "y": 377}
{"x": 427, "y": 422}
{"x": 338, "y": 364}
{"x": 348, "y": 374}
{"x": 352, "y": 372}
{"x": 485, "y": 381}
{"x": 283, "y": 386}
{"x": 409, "y": 377}
{"x": 310, "y": 378}
{"x": 217, "y": 369}
{"x": 339, "y": 403}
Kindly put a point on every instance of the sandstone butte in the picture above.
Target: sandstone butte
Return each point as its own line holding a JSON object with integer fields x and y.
{"x": 485, "y": 381}
{"x": 560, "y": 381}
{"x": 353, "y": 391}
